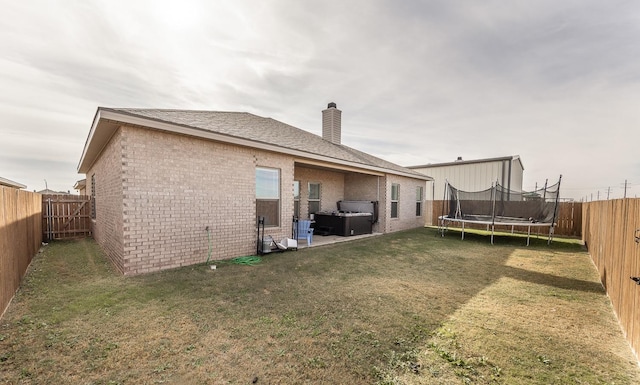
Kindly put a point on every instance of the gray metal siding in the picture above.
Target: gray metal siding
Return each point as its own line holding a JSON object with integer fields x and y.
{"x": 474, "y": 176}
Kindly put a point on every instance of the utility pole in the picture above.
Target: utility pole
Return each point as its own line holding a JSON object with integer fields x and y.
{"x": 625, "y": 188}
{"x": 608, "y": 191}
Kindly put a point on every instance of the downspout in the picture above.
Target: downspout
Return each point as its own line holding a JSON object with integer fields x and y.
{"x": 209, "y": 241}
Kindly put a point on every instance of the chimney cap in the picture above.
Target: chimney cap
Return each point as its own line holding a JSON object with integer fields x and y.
{"x": 332, "y": 104}
{"x": 459, "y": 159}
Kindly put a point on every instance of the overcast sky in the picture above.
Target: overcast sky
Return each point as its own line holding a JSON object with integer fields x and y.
{"x": 556, "y": 82}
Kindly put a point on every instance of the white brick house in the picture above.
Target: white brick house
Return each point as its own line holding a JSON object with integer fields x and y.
{"x": 160, "y": 178}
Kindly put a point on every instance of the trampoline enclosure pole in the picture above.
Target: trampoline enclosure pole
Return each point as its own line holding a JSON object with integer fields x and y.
{"x": 555, "y": 211}
{"x": 494, "y": 190}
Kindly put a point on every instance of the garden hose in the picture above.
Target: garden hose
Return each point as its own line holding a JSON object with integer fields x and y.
{"x": 249, "y": 261}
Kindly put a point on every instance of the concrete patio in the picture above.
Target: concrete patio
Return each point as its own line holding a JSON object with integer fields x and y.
{"x": 321, "y": 240}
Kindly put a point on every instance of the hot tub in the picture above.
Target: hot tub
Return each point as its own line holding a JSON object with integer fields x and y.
{"x": 343, "y": 223}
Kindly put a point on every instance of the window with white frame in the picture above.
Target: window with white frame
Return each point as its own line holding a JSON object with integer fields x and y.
{"x": 268, "y": 195}
{"x": 419, "y": 194}
{"x": 314, "y": 198}
{"x": 395, "y": 199}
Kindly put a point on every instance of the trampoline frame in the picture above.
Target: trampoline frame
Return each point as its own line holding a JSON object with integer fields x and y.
{"x": 444, "y": 220}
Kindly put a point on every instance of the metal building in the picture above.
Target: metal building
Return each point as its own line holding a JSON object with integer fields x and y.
{"x": 474, "y": 175}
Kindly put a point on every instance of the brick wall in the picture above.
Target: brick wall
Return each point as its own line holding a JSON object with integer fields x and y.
{"x": 363, "y": 187}
{"x": 157, "y": 193}
{"x": 331, "y": 188}
{"x": 369, "y": 188}
{"x": 407, "y": 218}
{"x": 177, "y": 186}
{"x": 108, "y": 225}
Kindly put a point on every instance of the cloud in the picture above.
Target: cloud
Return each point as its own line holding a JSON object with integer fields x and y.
{"x": 417, "y": 81}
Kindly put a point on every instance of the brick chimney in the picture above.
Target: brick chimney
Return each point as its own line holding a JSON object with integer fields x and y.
{"x": 331, "y": 124}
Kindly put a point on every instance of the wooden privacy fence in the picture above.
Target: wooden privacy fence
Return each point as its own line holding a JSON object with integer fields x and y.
{"x": 611, "y": 231}
{"x": 569, "y": 219}
{"x": 20, "y": 238}
{"x": 66, "y": 216}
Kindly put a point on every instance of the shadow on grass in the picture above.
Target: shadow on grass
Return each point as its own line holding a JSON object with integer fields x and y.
{"x": 331, "y": 314}
{"x": 551, "y": 280}
{"x": 518, "y": 240}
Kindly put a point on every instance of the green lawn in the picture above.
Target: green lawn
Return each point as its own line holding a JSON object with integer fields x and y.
{"x": 404, "y": 308}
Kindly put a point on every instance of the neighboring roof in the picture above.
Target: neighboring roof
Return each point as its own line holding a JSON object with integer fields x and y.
{"x": 52, "y": 192}
{"x": 239, "y": 128}
{"x": 475, "y": 161}
{"x": 10, "y": 183}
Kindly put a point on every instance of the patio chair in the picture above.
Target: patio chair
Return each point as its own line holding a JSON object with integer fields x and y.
{"x": 304, "y": 230}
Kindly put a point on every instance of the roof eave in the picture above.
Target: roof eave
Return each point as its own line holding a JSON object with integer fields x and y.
{"x": 89, "y": 152}
{"x": 475, "y": 161}
{"x": 9, "y": 183}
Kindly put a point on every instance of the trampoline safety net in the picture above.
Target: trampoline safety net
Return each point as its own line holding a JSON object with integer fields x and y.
{"x": 499, "y": 204}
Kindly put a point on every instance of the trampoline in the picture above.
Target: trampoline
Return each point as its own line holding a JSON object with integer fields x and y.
{"x": 499, "y": 206}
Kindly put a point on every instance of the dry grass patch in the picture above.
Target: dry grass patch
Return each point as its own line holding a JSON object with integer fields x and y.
{"x": 404, "y": 308}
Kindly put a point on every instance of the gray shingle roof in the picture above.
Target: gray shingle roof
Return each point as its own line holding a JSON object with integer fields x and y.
{"x": 264, "y": 130}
